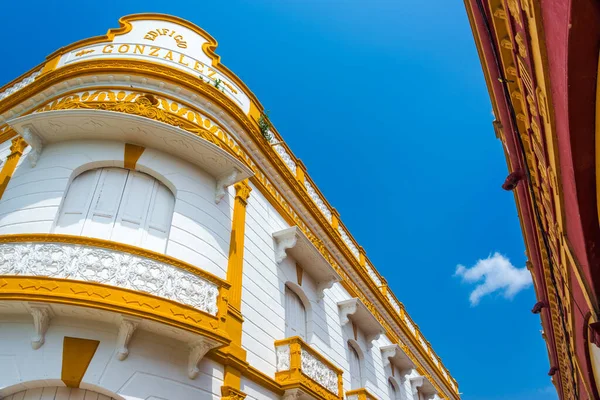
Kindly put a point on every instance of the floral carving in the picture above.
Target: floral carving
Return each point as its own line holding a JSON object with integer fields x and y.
{"x": 283, "y": 358}
{"x": 109, "y": 267}
{"x": 319, "y": 372}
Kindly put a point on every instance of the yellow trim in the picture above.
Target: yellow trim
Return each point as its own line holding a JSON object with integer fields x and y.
{"x": 294, "y": 377}
{"x": 76, "y": 357}
{"x": 114, "y": 299}
{"x": 7, "y": 134}
{"x": 182, "y": 78}
{"x": 363, "y": 394}
{"x": 230, "y": 393}
{"x": 232, "y": 373}
{"x": 132, "y": 155}
{"x": 8, "y": 169}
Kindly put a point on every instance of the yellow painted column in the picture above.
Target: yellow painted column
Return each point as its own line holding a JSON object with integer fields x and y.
{"x": 16, "y": 151}
{"x": 235, "y": 356}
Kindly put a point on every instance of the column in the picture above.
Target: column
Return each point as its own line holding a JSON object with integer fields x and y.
{"x": 234, "y": 355}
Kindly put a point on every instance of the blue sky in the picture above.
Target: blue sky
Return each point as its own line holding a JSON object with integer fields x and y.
{"x": 385, "y": 103}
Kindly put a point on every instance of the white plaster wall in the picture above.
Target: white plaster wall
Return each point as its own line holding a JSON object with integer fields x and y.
{"x": 200, "y": 228}
{"x": 264, "y": 310}
{"x": 255, "y": 391}
{"x": 156, "y": 367}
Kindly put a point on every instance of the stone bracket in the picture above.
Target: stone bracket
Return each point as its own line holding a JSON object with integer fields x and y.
{"x": 197, "y": 351}
{"x": 41, "y": 313}
{"x": 36, "y": 144}
{"x": 126, "y": 329}
{"x": 224, "y": 182}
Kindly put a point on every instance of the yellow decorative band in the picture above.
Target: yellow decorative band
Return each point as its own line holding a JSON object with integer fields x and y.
{"x": 110, "y": 298}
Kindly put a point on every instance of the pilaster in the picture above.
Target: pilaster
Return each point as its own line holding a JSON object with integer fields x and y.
{"x": 234, "y": 353}
{"x": 16, "y": 151}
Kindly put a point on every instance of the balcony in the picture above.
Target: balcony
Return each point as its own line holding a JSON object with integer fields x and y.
{"x": 302, "y": 371}
{"x": 359, "y": 394}
{"x": 50, "y": 272}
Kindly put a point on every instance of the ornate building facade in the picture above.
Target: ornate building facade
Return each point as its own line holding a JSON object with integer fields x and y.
{"x": 159, "y": 240}
{"x": 540, "y": 61}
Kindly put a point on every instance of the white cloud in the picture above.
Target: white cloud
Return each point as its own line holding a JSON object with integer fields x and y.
{"x": 494, "y": 274}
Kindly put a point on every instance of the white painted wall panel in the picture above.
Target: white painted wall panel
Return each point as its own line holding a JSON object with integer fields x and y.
{"x": 156, "y": 366}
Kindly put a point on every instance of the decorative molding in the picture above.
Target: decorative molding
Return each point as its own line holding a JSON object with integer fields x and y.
{"x": 224, "y": 182}
{"x": 388, "y": 352}
{"x": 272, "y": 194}
{"x": 283, "y": 357}
{"x": 415, "y": 383}
{"x": 19, "y": 85}
{"x": 292, "y": 394}
{"x": 317, "y": 199}
{"x": 346, "y": 310}
{"x": 284, "y": 240}
{"x": 41, "y": 313}
{"x": 124, "y": 270}
{"x": 197, "y": 351}
{"x": 126, "y": 329}
{"x": 294, "y": 243}
{"x": 316, "y": 370}
{"x": 230, "y": 393}
{"x": 36, "y": 145}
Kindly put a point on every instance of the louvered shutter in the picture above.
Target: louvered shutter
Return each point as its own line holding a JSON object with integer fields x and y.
{"x": 102, "y": 215}
{"x": 120, "y": 205}
{"x": 295, "y": 315}
{"x": 355, "y": 372}
{"x": 133, "y": 210}
{"x": 77, "y": 203}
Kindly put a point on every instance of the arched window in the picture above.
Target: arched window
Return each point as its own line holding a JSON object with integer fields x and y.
{"x": 355, "y": 369}
{"x": 295, "y": 315}
{"x": 117, "y": 204}
{"x": 392, "y": 390}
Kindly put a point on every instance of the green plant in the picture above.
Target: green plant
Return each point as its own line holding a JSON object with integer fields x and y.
{"x": 264, "y": 125}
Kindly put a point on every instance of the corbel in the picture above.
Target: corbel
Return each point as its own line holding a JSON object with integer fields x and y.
{"x": 224, "y": 182}
{"x": 126, "y": 329}
{"x": 347, "y": 310}
{"x": 36, "y": 144}
{"x": 41, "y": 313}
{"x": 198, "y": 350}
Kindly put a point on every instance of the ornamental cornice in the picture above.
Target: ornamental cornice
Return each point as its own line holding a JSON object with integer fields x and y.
{"x": 260, "y": 179}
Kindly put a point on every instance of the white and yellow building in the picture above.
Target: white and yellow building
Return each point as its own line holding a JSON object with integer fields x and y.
{"x": 159, "y": 240}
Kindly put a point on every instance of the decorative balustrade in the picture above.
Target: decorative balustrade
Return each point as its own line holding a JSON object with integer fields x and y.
{"x": 359, "y": 394}
{"x": 293, "y": 165}
{"x": 299, "y": 367}
{"x": 19, "y": 85}
{"x": 114, "y": 276}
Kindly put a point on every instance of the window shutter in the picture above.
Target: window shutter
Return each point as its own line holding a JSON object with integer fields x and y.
{"x": 120, "y": 205}
{"x": 105, "y": 203}
{"x": 160, "y": 215}
{"x": 355, "y": 372}
{"x": 133, "y": 210}
{"x": 295, "y": 315}
{"x": 77, "y": 203}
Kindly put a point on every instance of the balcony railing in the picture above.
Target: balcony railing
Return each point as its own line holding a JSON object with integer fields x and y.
{"x": 299, "y": 367}
{"x": 112, "y": 276}
{"x": 299, "y": 173}
{"x": 359, "y": 394}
